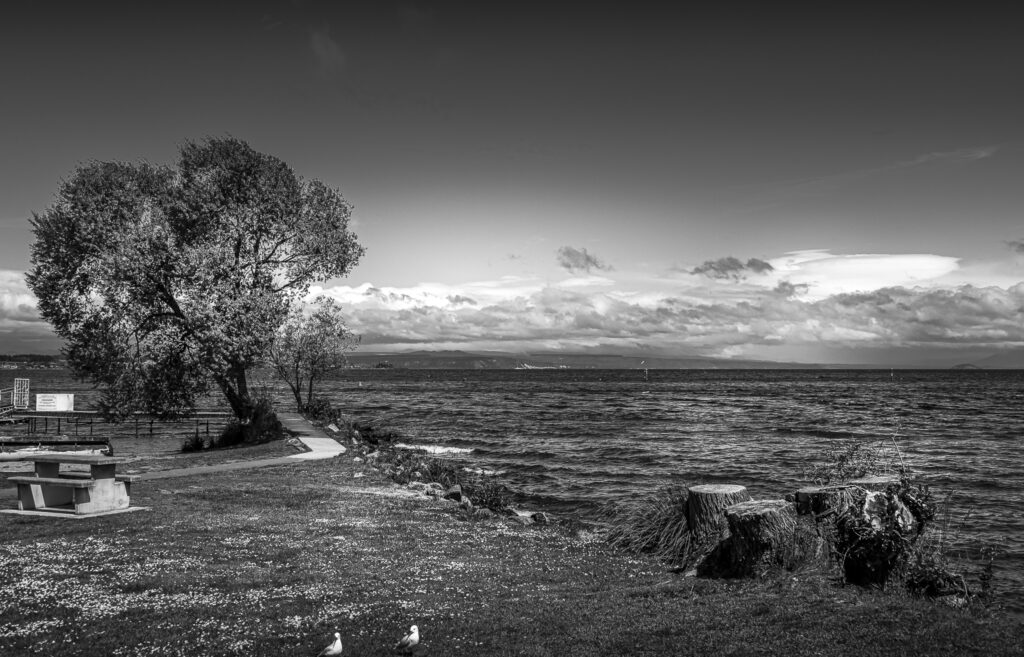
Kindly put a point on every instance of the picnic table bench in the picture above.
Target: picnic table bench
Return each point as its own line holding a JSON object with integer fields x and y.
{"x": 101, "y": 490}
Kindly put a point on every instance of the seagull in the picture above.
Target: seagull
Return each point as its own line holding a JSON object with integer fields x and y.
{"x": 410, "y": 640}
{"x": 333, "y": 649}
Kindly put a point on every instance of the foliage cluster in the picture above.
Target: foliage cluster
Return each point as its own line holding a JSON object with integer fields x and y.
{"x": 488, "y": 493}
{"x": 319, "y": 410}
{"x": 893, "y": 538}
{"x": 263, "y": 427}
{"x": 165, "y": 283}
{"x": 309, "y": 347}
{"x": 845, "y": 461}
{"x": 404, "y": 466}
{"x": 872, "y": 547}
{"x": 375, "y": 431}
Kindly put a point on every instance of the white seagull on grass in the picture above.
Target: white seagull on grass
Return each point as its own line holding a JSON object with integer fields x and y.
{"x": 410, "y": 640}
{"x": 333, "y": 649}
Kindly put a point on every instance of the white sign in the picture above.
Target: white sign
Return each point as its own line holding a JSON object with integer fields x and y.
{"x": 52, "y": 402}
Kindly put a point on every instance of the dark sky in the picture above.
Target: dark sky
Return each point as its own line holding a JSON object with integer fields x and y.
{"x": 477, "y": 139}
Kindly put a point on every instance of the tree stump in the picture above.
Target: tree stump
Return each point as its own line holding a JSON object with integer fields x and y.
{"x": 761, "y": 531}
{"x": 802, "y": 500}
{"x": 824, "y": 500}
{"x": 706, "y": 505}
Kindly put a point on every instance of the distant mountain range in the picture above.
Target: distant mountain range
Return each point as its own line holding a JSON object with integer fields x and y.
{"x": 1011, "y": 360}
{"x": 503, "y": 360}
{"x": 500, "y": 360}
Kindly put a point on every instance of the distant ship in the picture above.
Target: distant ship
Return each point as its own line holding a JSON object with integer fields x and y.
{"x": 527, "y": 366}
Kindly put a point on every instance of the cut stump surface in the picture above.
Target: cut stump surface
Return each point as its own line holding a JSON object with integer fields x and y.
{"x": 706, "y": 505}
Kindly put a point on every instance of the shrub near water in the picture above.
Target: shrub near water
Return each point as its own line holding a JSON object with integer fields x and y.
{"x": 855, "y": 459}
{"x": 655, "y": 526}
{"x": 896, "y": 540}
{"x": 873, "y": 547}
{"x": 264, "y": 427}
{"x": 405, "y": 466}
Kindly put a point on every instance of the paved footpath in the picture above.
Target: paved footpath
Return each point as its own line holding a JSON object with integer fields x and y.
{"x": 319, "y": 444}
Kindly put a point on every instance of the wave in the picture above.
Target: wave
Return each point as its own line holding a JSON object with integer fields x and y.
{"x": 484, "y": 472}
{"x": 434, "y": 449}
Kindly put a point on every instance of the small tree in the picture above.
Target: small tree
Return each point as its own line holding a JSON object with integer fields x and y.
{"x": 309, "y": 347}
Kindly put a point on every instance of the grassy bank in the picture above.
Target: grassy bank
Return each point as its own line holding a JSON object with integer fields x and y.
{"x": 273, "y": 561}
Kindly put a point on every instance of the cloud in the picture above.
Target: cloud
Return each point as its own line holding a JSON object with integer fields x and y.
{"x": 1017, "y": 246}
{"x": 787, "y": 289}
{"x": 731, "y": 268}
{"x": 803, "y": 303}
{"x": 953, "y": 157}
{"x": 329, "y": 55}
{"x": 22, "y": 330}
{"x": 821, "y": 273}
{"x": 578, "y": 260}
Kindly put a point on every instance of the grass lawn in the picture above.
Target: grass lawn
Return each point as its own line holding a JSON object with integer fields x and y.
{"x": 273, "y": 561}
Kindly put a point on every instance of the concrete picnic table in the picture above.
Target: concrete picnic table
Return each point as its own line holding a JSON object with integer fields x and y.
{"x": 53, "y": 491}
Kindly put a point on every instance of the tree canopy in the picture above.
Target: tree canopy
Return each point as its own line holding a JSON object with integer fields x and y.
{"x": 309, "y": 347}
{"x": 165, "y": 282}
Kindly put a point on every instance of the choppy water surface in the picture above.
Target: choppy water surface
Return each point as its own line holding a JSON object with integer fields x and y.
{"x": 573, "y": 439}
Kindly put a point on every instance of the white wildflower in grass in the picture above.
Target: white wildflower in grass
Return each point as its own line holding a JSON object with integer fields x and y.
{"x": 293, "y": 622}
{"x": 31, "y": 628}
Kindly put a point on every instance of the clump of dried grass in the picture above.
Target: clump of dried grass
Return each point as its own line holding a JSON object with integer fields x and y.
{"x": 655, "y": 526}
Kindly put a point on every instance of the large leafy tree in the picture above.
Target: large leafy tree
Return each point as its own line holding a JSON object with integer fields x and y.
{"x": 308, "y": 347}
{"x": 166, "y": 282}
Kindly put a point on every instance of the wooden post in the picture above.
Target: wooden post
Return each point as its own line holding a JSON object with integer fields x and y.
{"x": 706, "y": 504}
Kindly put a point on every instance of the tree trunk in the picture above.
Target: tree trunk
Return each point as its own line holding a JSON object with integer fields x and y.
{"x": 309, "y": 390}
{"x": 241, "y": 377}
{"x": 235, "y": 387}
{"x": 297, "y": 389}
{"x": 761, "y": 531}
{"x": 706, "y": 504}
{"x": 240, "y": 406}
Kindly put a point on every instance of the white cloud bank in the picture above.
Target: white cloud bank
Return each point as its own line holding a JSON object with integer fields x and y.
{"x": 813, "y": 299}
{"x": 823, "y": 274}
{"x": 21, "y": 328}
